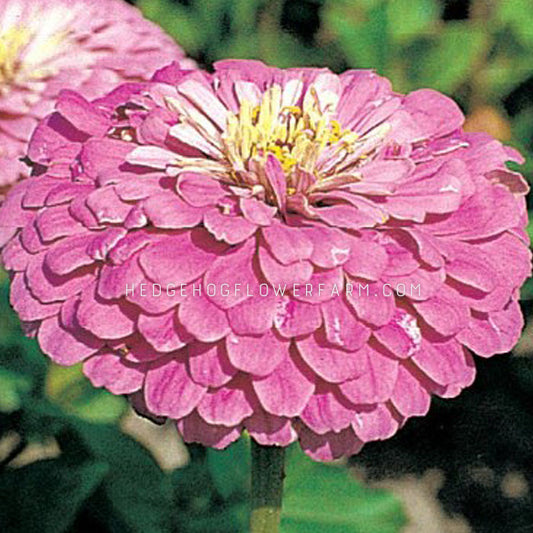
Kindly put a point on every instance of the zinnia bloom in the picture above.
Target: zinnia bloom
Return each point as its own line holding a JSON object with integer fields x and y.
{"x": 47, "y": 45}
{"x": 160, "y": 218}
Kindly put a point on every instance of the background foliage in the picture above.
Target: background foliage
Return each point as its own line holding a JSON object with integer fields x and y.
{"x": 94, "y": 477}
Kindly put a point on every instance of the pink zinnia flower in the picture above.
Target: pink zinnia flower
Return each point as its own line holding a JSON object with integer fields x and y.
{"x": 48, "y": 45}
{"x": 158, "y": 216}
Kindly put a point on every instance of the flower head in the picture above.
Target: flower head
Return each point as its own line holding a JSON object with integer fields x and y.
{"x": 289, "y": 252}
{"x": 48, "y": 45}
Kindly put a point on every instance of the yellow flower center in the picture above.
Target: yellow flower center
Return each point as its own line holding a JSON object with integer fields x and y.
{"x": 12, "y": 43}
{"x": 295, "y": 135}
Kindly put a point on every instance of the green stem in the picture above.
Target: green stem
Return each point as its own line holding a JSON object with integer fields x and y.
{"x": 267, "y": 487}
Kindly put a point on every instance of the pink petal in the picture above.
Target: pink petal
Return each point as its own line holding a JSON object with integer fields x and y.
{"x": 228, "y": 228}
{"x": 409, "y": 397}
{"x": 178, "y": 258}
{"x": 112, "y": 372}
{"x": 203, "y": 319}
{"x": 342, "y": 326}
{"x": 279, "y": 274}
{"x": 329, "y": 446}
{"x": 257, "y": 212}
{"x": 434, "y": 113}
{"x": 169, "y": 390}
{"x": 56, "y": 222}
{"x": 445, "y": 314}
{"x": 162, "y": 331}
{"x": 105, "y": 319}
{"x": 194, "y": 429}
{"x": 227, "y": 406}
{"x": 496, "y": 332}
{"x": 83, "y": 115}
{"x": 371, "y": 301}
{"x": 270, "y": 430}
{"x": 209, "y": 364}
{"x": 323, "y": 286}
{"x": 27, "y": 307}
{"x": 277, "y": 180}
{"x": 287, "y": 244}
{"x": 64, "y": 347}
{"x": 376, "y": 423}
{"x": 239, "y": 264}
{"x": 331, "y": 247}
{"x": 294, "y": 318}
{"x": 377, "y": 383}
{"x": 168, "y": 211}
{"x": 200, "y": 190}
{"x": 254, "y": 316}
{"x": 324, "y": 413}
{"x": 445, "y": 363}
{"x": 69, "y": 254}
{"x": 286, "y": 391}
{"x": 331, "y": 363}
{"x": 367, "y": 260}
{"x": 257, "y": 355}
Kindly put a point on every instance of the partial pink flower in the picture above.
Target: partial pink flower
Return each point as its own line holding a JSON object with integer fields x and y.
{"x": 48, "y": 45}
{"x": 160, "y": 219}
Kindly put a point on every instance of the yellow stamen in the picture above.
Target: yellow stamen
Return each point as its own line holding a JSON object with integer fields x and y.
{"x": 295, "y": 136}
{"x": 12, "y": 42}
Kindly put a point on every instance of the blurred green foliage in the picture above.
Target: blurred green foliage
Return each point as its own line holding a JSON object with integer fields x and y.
{"x": 478, "y": 52}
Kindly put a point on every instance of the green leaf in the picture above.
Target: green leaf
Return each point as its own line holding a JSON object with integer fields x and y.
{"x": 199, "y": 506}
{"x": 362, "y": 34}
{"x": 321, "y": 498}
{"x": 72, "y": 391}
{"x": 135, "y": 496}
{"x": 450, "y": 61}
{"x": 46, "y": 496}
{"x": 410, "y": 20}
{"x": 179, "y": 22}
{"x": 230, "y": 468}
{"x": 14, "y": 388}
{"x": 518, "y": 14}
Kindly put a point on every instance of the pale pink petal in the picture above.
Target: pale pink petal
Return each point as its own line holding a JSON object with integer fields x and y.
{"x": 257, "y": 355}
{"x": 286, "y": 390}
{"x": 170, "y": 391}
{"x": 377, "y": 383}
{"x": 331, "y": 363}
{"x": 203, "y": 319}
{"x": 209, "y": 364}
{"x": 112, "y": 372}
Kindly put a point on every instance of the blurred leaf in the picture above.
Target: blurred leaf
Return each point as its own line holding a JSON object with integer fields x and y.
{"x": 504, "y": 73}
{"x": 526, "y": 292}
{"x": 320, "y": 498}
{"x": 21, "y": 362}
{"x": 518, "y": 14}
{"x": 70, "y": 389}
{"x": 46, "y": 496}
{"x": 243, "y": 14}
{"x": 410, "y": 20}
{"x": 230, "y": 468}
{"x": 450, "y": 61}
{"x": 362, "y": 34}
{"x": 135, "y": 496}
{"x": 178, "y": 21}
{"x": 200, "y": 507}
{"x": 13, "y": 386}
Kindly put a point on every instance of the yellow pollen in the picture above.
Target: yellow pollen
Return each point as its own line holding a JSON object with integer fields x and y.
{"x": 12, "y": 43}
{"x": 295, "y": 136}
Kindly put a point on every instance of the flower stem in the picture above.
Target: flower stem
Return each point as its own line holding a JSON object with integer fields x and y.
{"x": 267, "y": 487}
